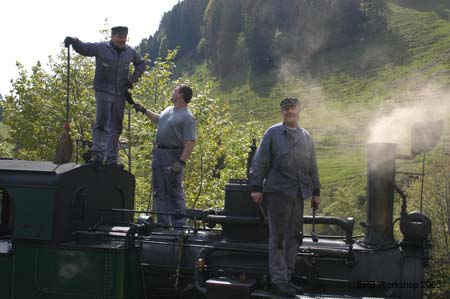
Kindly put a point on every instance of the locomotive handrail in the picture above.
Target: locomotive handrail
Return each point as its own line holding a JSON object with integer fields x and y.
{"x": 346, "y": 224}
{"x": 214, "y": 217}
{"x": 223, "y": 219}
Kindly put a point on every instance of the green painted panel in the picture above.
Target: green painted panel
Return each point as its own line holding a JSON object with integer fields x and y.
{"x": 133, "y": 279}
{"x": 5, "y": 276}
{"x": 63, "y": 273}
{"x": 33, "y": 210}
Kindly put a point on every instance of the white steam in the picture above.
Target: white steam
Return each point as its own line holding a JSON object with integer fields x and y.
{"x": 429, "y": 105}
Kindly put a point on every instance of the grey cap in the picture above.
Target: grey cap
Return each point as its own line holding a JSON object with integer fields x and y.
{"x": 122, "y": 30}
{"x": 290, "y": 101}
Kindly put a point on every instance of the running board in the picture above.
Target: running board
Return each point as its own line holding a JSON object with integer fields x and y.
{"x": 266, "y": 294}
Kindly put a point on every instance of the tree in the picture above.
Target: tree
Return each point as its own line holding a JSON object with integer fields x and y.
{"x": 35, "y": 111}
{"x": 5, "y": 146}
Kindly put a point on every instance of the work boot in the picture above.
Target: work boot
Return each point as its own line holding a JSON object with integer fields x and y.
{"x": 282, "y": 289}
{"x": 298, "y": 289}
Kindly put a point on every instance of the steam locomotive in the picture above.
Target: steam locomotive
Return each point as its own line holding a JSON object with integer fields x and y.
{"x": 68, "y": 231}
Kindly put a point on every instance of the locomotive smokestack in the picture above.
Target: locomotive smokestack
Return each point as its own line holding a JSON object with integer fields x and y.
{"x": 381, "y": 158}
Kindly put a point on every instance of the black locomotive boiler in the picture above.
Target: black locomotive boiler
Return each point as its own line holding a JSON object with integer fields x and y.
{"x": 68, "y": 232}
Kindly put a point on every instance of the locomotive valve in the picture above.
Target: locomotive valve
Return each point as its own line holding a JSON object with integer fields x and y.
{"x": 200, "y": 265}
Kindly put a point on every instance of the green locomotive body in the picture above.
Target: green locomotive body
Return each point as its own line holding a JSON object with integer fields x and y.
{"x": 49, "y": 247}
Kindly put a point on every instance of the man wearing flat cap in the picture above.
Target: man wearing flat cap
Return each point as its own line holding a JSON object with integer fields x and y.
{"x": 111, "y": 83}
{"x": 283, "y": 174}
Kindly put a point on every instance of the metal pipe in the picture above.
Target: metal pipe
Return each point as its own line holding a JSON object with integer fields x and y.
{"x": 346, "y": 224}
{"x": 330, "y": 252}
{"x": 381, "y": 164}
{"x": 221, "y": 219}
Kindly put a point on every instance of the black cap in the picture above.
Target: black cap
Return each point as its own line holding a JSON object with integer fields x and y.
{"x": 290, "y": 101}
{"x": 121, "y": 30}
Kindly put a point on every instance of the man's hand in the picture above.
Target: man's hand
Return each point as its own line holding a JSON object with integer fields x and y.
{"x": 257, "y": 197}
{"x": 129, "y": 98}
{"x": 315, "y": 202}
{"x": 139, "y": 108}
{"x": 132, "y": 79}
{"x": 68, "y": 41}
{"x": 177, "y": 167}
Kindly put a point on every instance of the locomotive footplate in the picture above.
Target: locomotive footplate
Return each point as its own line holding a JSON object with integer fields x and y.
{"x": 266, "y": 294}
{"x": 225, "y": 287}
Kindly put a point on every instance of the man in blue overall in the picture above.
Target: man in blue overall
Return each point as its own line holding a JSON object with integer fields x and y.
{"x": 174, "y": 143}
{"x": 112, "y": 80}
{"x": 284, "y": 174}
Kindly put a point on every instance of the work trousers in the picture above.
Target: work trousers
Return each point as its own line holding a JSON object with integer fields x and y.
{"x": 108, "y": 126}
{"x": 285, "y": 217}
{"x": 168, "y": 194}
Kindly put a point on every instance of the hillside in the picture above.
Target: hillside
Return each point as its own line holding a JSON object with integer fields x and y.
{"x": 397, "y": 54}
{"x": 343, "y": 88}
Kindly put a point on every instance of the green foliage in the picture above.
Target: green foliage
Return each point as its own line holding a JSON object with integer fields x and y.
{"x": 221, "y": 152}
{"x": 348, "y": 200}
{"x": 5, "y": 147}
{"x": 35, "y": 111}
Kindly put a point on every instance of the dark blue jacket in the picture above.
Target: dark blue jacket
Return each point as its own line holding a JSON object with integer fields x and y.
{"x": 270, "y": 170}
{"x": 111, "y": 67}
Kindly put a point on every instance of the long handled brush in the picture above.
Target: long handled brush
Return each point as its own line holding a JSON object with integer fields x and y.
{"x": 314, "y": 235}
{"x": 64, "y": 149}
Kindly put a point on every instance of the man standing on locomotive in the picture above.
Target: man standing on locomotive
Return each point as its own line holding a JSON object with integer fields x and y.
{"x": 175, "y": 140}
{"x": 284, "y": 174}
{"x": 111, "y": 83}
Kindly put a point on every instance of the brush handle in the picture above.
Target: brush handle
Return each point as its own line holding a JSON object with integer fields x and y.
{"x": 68, "y": 84}
{"x": 314, "y": 220}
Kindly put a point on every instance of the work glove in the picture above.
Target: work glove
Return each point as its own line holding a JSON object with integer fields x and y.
{"x": 315, "y": 202}
{"x": 129, "y": 98}
{"x": 139, "y": 108}
{"x": 68, "y": 41}
{"x": 177, "y": 167}
{"x": 133, "y": 78}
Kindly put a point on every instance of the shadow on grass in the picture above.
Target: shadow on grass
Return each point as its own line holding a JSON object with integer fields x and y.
{"x": 260, "y": 83}
{"x": 233, "y": 80}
